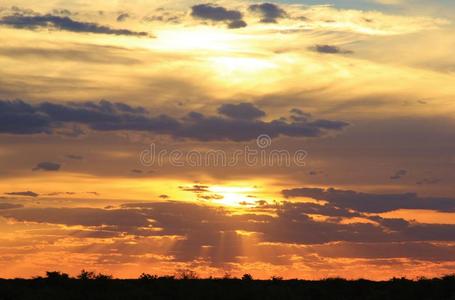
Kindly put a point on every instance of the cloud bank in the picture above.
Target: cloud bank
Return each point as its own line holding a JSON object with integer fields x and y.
{"x": 241, "y": 123}
{"x": 373, "y": 203}
{"x": 64, "y": 23}
{"x": 215, "y": 13}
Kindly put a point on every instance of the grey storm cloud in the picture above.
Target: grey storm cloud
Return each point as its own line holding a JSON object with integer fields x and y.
{"x": 215, "y": 13}
{"x": 33, "y": 22}
{"x": 237, "y": 24}
{"x": 298, "y": 115}
{"x": 122, "y": 17}
{"x": 19, "y": 117}
{"x": 47, "y": 166}
{"x": 197, "y": 188}
{"x": 398, "y": 174}
{"x": 329, "y": 49}
{"x": 26, "y": 194}
{"x": 269, "y": 12}
{"x": 373, "y": 203}
{"x": 202, "y": 225}
{"x": 324, "y": 210}
{"x": 244, "y": 111}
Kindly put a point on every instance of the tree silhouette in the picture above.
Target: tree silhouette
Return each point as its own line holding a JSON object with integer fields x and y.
{"x": 186, "y": 274}
{"x": 86, "y": 275}
{"x": 188, "y": 286}
{"x": 145, "y": 276}
{"x": 247, "y": 277}
{"x": 90, "y": 275}
{"x": 55, "y": 275}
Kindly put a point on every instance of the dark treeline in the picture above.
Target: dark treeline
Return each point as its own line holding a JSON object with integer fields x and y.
{"x": 186, "y": 285}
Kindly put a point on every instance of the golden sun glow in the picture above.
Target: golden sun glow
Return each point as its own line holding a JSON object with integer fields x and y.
{"x": 233, "y": 195}
{"x": 199, "y": 38}
{"x": 355, "y": 89}
{"x": 229, "y": 65}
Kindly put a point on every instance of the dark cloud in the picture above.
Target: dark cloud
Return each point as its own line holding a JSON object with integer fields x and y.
{"x": 244, "y": 111}
{"x": 294, "y": 226}
{"x": 111, "y": 107}
{"x": 399, "y": 174}
{"x": 216, "y": 229}
{"x": 197, "y": 188}
{"x": 10, "y": 206}
{"x": 136, "y": 171}
{"x": 74, "y": 157}
{"x": 210, "y": 197}
{"x": 215, "y": 13}
{"x": 316, "y": 209}
{"x": 118, "y": 218}
{"x": 165, "y": 19}
{"x": 61, "y": 193}
{"x": 269, "y": 12}
{"x": 26, "y": 194}
{"x": 122, "y": 17}
{"x": 161, "y": 15}
{"x": 47, "y": 166}
{"x": 336, "y": 214}
{"x": 374, "y": 203}
{"x": 261, "y": 202}
{"x": 65, "y": 23}
{"x": 329, "y": 49}
{"x": 18, "y": 117}
{"x": 237, "y": 24}
{"x": 218, "y": 128}
{"x": 298, "y": 115}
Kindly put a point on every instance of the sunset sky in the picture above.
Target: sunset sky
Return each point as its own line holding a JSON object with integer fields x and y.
{"x": 359, "y": 94}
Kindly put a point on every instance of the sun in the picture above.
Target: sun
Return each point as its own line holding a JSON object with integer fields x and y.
{"x": 198, "y": 39}
{"x": 234, "y": 195}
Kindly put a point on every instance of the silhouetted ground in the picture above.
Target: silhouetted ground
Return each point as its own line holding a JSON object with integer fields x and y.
{"x": 151, "y": 287}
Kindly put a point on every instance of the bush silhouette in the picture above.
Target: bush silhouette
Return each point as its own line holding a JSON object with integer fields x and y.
{"x": 145, "y": 276}
{"x": 89, "y": 275}
{"x": 55, "y": 275}
{"x": 247, "y": 277}
{"x": 86, "y": 275}
{"x": 187, "y": 286}
{"x": 276, "y": 278}
{"x": 186, "y": 274}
